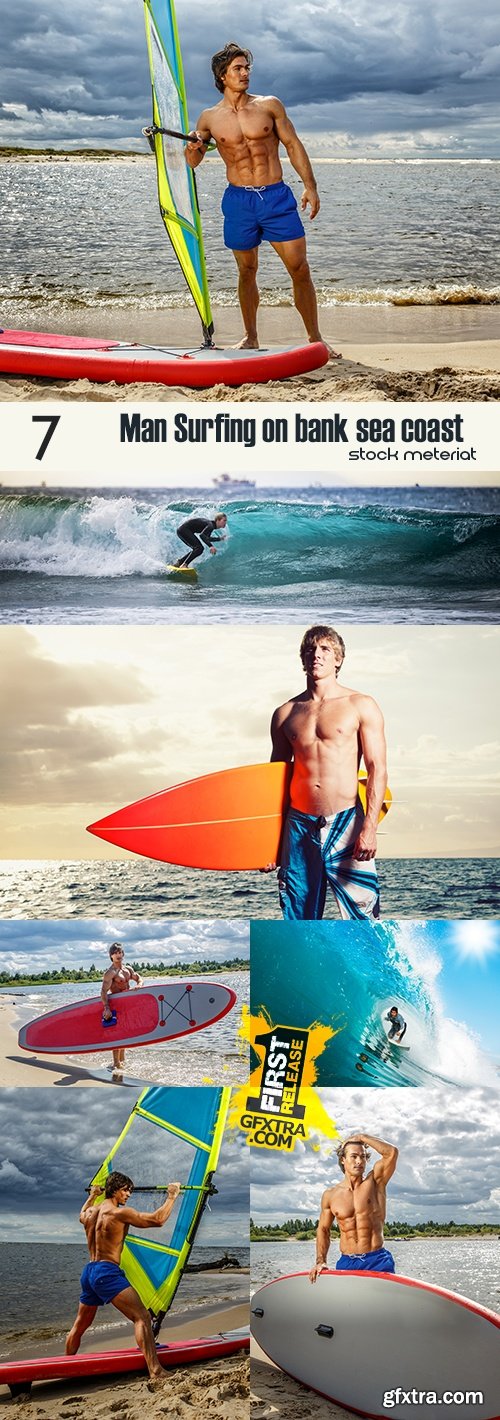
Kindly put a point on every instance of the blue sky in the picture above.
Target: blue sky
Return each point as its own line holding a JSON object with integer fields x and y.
{"x": 362, "y": 77}
{"x": 48, "y": 946}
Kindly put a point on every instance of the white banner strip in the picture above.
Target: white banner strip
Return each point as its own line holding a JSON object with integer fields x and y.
{"x": 171, "y": 444}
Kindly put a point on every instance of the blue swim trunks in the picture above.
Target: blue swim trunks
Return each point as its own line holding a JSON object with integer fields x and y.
{"x": 379, "y": 1261}
{"x": 101, "y": 1282}
{"x": 256, "y": 214}
{"x": 317, "y": 853}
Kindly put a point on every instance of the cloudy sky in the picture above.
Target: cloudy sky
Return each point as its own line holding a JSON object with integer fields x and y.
{"x": 46, "y": 946}
{"x": 114, "y": 714}
{"x": 449, "y": 1157}
{"x": 51, "y": 1146}
{"x": 362, "y": 77}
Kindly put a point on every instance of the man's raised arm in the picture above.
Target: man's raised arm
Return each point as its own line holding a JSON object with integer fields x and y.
{"x": 384, "y": 1167}
{"x": 195, "y": 150}
{"x": 151, "y": 1220}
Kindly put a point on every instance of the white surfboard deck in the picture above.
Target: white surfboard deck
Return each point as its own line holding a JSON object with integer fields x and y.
{"x": 380, "y": 1332}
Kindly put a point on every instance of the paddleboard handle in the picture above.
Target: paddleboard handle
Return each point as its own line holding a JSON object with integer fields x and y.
{"x": 257, "y": 1311}
{"x": 325, "y": 1331}
{"x": 113, "y": 1020}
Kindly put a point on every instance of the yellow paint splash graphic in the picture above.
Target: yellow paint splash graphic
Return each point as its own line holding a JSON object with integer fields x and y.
{"x": 265, "y": 1129}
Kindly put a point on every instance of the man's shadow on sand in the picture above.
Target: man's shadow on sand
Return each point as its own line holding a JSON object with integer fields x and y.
{"x": 76, "y": 1074}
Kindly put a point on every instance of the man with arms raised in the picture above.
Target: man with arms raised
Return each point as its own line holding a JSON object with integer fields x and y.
{"x": 358, "y": 1205}
{"x": 117, "y": 978}
{"x": 257, "y": 205}
{"x": 328, "y": 837}
{"x": 102, "y": 1280}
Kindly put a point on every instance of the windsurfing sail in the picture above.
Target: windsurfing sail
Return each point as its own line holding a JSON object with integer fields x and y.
{"x": 177, "y": 193}
{"x": 173, "y": 1134}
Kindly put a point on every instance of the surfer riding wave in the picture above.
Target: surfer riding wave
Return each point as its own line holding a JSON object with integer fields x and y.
{"x": 358, "y": 1205}
{"x": 197, "y": 534}
{"x": 258, "y": 205}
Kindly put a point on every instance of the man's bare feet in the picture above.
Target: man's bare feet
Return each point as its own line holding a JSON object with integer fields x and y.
{"x": 249, "y": 342}
{"x": 332, "y": 354}
{"x": 158, "y": 1381}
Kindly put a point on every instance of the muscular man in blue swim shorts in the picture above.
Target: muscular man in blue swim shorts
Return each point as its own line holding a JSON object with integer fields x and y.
{"x": 258, "y": 205}
{"x": 106, "y": 1225}
{"x": 329, "y": 840}
{"x": 358, "y": 1205}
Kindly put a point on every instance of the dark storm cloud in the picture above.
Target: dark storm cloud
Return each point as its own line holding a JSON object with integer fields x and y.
{"x": 359, "y": 66}
{"x": 52, "y": 1146}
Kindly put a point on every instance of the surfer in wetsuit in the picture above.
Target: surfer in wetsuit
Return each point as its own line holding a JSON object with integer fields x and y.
{"x": 399, "y": 1026}
{"x": 117, "y": 978}
{"x": 328, "y": 838}
{"x": 106, "y": 1225}
{"x": 359, "y": 1206}
{"x": 258, "y": 205}
{"x": 198, "y": 533}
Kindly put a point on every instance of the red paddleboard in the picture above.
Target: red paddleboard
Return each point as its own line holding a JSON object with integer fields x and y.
{"x": 68, "y": 357}
{"x": 149, "y": 1014}
{"x": 230, "y": 820}
{"x": 20, "y": 1375}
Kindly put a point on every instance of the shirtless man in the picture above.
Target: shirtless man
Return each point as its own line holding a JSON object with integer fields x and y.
{"x": 359, "y": 1205}
{"x": 117, "y": 978}
{"x": 328, "y": 838}
{"x": 102, "y": 1280}
{"x": 247, "y": 130}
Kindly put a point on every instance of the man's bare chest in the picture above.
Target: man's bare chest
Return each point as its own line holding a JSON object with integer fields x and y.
{"x": 332, "y": 724}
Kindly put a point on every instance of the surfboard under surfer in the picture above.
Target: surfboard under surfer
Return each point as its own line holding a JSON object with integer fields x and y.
{"x": 329, "y": 840}
{"x": 199, "y": 533}
{"x": 106, "y": 1226}
{"x": 117, "y": 978}
{"x": 358, "y": 1205}
{"x": 258, "y": 205}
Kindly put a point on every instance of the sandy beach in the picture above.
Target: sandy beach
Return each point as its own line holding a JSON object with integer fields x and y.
{"x": 275, "y": 1396}
{"x": 218, "y": 1389}
{"x": 388, "y": 353}
{"x": 18, "y": 1067}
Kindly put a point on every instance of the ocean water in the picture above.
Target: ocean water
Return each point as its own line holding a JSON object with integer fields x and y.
{"x": 214, "y": 1053}
{"x": 384, "y": 555}
{"x": 465, "y": 1265}
{"x": 84, "y": 235}
{"x": 410, "y": 887}
{"x": 358, "y": 971}
{"x": 38, "y": 1314}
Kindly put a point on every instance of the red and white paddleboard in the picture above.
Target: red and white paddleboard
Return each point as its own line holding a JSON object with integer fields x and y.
{"x": 69, "y": 357}
{"x": 20, "y": 1375}
{"x": 141, "y": 1017}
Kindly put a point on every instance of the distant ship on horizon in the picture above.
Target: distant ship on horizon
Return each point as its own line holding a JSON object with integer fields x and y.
{"x": 225, "y": 480}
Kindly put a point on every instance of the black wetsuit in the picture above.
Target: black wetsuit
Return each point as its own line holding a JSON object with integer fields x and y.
{"x": 196, "y": 532}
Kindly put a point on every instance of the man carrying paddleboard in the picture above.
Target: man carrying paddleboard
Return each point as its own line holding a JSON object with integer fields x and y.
{"x": 117, "y": 978}
{"x": 328, "y": 838}
{"x": 198, "y": 533}
{"x": 106, "y": 1225}
{"x": 258, "y": 205}
{"x": 359, "y": 1206}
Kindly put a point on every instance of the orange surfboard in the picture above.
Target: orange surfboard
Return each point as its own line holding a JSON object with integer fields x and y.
{"x": 232, "y": 820}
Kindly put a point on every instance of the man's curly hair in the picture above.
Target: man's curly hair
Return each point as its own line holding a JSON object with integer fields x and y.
{"x": 224, "y": 57}
{"x": 340, "y": 1152}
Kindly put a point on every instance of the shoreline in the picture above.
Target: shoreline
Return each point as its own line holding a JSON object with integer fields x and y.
{"x": 389, "y": 352}
{"x": 20, "y": 1068}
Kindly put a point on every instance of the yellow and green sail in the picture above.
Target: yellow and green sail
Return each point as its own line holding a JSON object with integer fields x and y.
{"x": 172, "y": 1134}
{"x": 176, "y": 182}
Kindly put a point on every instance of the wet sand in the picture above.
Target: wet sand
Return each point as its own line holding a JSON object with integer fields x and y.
{"x": 388, "y": 353}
